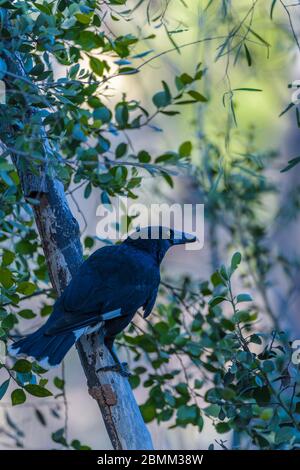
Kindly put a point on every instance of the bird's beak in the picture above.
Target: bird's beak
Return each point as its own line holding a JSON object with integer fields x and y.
{"x": 181, "y": 238}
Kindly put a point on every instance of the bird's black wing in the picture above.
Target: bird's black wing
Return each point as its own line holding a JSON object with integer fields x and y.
{"x": 148, "y": 306}
{"x": 109, "y": 284}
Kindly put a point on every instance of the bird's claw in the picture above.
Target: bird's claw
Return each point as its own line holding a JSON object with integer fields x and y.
{"x": 120, "y": 368}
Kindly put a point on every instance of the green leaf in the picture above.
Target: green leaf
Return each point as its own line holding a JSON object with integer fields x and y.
{"x": 8, "y": 257}
{"x": 134, "y": 381}
{"x": 24, "y": 247}
{"x": 167, "y": 178}
{"x": 84, "y": 19}
{"x": 162, "y": 98}
{"x": 187, "y": 414}
{"x": 266, "y": 414}
{"x": 3, "y": 388}
{"x": 26, "y": 288}
{"x": 167, "y": 90}
{"x": 128, "y": 71}
{"x": 185, "y": 149}
{"x": 40, "y": 416}
{"x": 272, "y": 9}
{"x": 6, "y": 278}
{"x": 216, "y": 300}
{"x": 256, "y": 339}
{"x": 247, "y": 89}
{"x": 103, "y": 114}
{"x": 9, "y": 321}
{"x": 224, "y": 273}
{"x": 262, "y": 40}
{"x": 183, "y": 80}
{"x": 248, "y": 55}
{"x": 89, "y": 242}
{"x": 76, "y": 444}
{"x": 68, "y": 23}
{"x": 23, "y": 366}
{"x": 148, "y": 411}
{"x": 227, "y": 393}
{"x": 37, "y": 390}
{"x": 197, "y": 96}
{"x": 87, "y": 191}
{"x": 97, "y": 66}
{"x": 121, "y": 150}
{"x": 43, "y": 8}
{"x": 242, "y": 316}
{"x": 26, "y": 313}
{"x": 18, "y": 397}
{"x": 284, "y": 434}
{"x": 144, "y": 156}
{"x": 46, "y": 310}
{"x": 38, "y": 369}
{"x": 58, "y": 436}
{"x": 227, "y": 324}
{"x": 291, "y": 105}
{"x": 166, "y": 157}
{"x": 122, "y": 114}
{"x": 212, "y": 410}
{"x": 243, "y": 298}
{"x": 78, "y": 133}
{"x": 235, "y": 261}
{"x": 233, "y": 112}
{"x": 182, "y": 388}
{"x": 217, "y": 279}
{"x": 59, "y": 383}
{"x": 184, "y": 102}
{"x": 291, "y": 164}
{"x": 222, "y": 428}
{"x": 89, "y": 40}
{"x": 194, "y": 349}
{"x": 170, "y": 399}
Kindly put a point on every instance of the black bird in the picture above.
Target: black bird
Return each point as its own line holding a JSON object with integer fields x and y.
{"x": 110, "y": 286}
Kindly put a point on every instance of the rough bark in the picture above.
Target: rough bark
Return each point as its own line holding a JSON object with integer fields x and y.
{"x": 60, "y": 237}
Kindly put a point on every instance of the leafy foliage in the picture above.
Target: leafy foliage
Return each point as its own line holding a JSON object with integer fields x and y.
{"x": 80, "y": 122}
{"x": 226, "y": 370}
{"x": 209, "y": 358}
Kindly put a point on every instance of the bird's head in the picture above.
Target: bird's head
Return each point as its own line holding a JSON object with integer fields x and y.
{"x": 157, "y": 240}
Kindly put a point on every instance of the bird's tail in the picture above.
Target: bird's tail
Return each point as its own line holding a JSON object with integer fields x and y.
{"x": 49, "y": 351}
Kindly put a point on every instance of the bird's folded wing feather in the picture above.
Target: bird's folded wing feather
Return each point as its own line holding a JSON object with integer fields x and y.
{"x": 148, "y": 306}
{"x": 108, "y": 283}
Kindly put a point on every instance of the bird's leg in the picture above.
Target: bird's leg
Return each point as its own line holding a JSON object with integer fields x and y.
{"x": 118, "y": 366}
